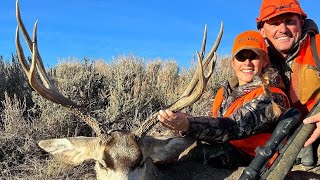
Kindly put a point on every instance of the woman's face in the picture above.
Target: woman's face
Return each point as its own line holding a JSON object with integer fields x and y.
{"x": 246, "y": 64}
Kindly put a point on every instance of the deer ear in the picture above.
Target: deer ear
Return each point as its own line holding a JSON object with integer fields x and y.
{"x": 71, "y": 150}
{"x": 165, "y": 150}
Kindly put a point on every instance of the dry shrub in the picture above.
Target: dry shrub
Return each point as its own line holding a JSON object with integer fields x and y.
{"x": 16, "y": 140}
{"x": 125, "y": 75}
{"x": 13, "y": 81}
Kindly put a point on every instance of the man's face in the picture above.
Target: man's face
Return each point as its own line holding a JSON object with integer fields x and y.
{"x": 283, "y": 31}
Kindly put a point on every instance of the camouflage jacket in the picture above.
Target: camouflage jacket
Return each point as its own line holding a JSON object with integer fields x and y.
{"x": 251, "y": 118}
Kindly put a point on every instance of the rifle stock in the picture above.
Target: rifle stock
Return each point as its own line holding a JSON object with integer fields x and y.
{"x": 287, "y": 152}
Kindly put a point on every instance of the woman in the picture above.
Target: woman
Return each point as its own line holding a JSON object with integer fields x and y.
{"x": 245, "y": 110}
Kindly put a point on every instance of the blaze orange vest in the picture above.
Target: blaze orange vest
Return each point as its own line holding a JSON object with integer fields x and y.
{"x": 249, "y": 144}
{"x": 305, "y": 79}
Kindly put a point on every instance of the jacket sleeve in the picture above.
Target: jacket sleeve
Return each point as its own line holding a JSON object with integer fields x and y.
{"x": 254, "y": 117}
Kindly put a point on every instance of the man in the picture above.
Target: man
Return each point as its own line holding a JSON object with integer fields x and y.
{"x": 284, "y": 25}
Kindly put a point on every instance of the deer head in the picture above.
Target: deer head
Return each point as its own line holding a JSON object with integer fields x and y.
{"x": 119, "y": 154}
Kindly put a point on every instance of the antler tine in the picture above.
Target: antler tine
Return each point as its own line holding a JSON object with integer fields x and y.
{"x": 204, "y": 42}
{"x": 41, "y": 68}
{"x": 211, "y": 58}
{"x": 215, "y": 46}
{"x": 195, "y": 77}
{"x": 186, "y": 101}
{"x": 199, "y": 81}
{"x": 196, "y": 86}
{"x": 47, "y": 89}
{"x": 49, "y": 92}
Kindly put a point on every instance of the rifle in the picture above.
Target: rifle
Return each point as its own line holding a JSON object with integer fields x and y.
{"x": 288, "y": 148}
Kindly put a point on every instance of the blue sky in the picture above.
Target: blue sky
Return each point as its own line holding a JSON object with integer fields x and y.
{"x": 102, "y": 29}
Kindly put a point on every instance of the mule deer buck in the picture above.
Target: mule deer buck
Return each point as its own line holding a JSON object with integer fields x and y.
{"x": 120, "y": 154}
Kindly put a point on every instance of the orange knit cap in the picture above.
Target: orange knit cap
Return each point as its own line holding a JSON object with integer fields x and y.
{"x": 273, "y": 8}
{"x": 251, "y": 40}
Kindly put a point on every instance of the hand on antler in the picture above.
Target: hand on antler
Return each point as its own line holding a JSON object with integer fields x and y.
{"x": 177, "y": 121}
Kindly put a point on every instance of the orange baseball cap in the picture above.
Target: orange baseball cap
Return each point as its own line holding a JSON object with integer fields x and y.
{"x": 251, "y": 40}
{"x": 273, "y": 8}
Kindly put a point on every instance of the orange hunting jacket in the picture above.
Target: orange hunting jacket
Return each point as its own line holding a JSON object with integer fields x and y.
{"x": 249, "y": 144}
{"x": 304, "y": 85}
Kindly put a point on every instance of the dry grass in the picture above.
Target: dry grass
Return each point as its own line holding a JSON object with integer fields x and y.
{"x": 119, "y": 94}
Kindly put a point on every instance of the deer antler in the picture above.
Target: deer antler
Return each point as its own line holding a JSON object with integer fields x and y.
{"x": 195, "y": 88}
{"x": 47, "y": 89}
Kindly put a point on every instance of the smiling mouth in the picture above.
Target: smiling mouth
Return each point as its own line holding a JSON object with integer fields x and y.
{"x": 283, "y": 38}
{"x": 247, "y": 70}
